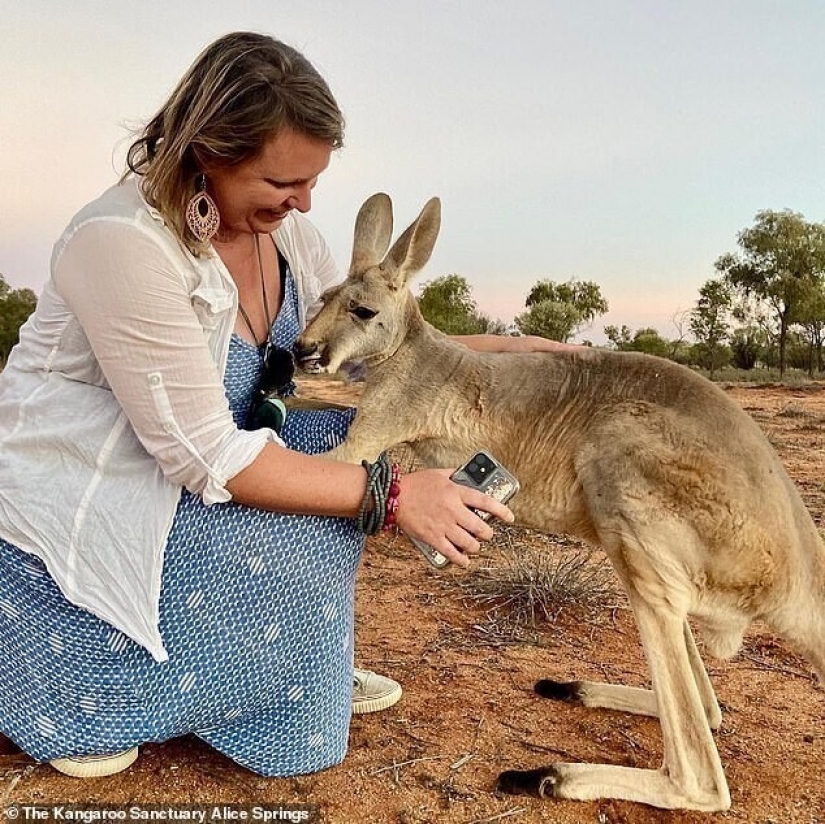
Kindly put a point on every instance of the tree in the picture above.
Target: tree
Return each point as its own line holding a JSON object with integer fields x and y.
{"x": 650, "y": 342}
{"x": 712, "y": 360}
{"x": 548, "y": 319}
{"x": 559, "y": 310}
{"x": 781, "y": 256}
{"x": 679, "y": 347}
{"x": 747, "y": 343}
{"x": 447, "y": 303}
{"x": 15, "y": 307}
{"x": 619, "y": 338}
{"x": 709, "y": 322}
{"x": 810, "y": 316}
{"x": 757, "y": 330}
{"x": 645, "y": 340}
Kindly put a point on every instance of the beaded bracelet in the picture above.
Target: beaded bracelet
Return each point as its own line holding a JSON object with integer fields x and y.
{"x": 380, "y": 503}
{"x": 370, "y": 515}
{"x": 392, "y": 499}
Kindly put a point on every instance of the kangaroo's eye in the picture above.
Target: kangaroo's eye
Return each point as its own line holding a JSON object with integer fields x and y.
{"x": 363, "y": 312}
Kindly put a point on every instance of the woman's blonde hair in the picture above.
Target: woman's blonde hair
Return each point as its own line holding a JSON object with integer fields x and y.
{"x": 239, "y": 92}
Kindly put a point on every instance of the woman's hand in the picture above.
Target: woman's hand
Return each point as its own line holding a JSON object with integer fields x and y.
{"x": 512, "y": 343}
{"x": 536, "y": 343}
{"x": 434, "y": 509}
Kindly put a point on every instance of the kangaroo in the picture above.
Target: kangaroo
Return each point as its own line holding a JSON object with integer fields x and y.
{"x": 631, "y": 452}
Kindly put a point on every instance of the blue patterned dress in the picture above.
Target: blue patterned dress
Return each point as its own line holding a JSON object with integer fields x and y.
{"x": 256, "y": 613}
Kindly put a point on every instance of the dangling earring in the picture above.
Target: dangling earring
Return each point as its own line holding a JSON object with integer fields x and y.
{"x": 202, "y": 215}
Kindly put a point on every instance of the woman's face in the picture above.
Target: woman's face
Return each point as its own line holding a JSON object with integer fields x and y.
{"x": 256, "y": 195}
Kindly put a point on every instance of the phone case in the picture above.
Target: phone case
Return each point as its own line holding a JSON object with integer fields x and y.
{"x": 485, "y": 473}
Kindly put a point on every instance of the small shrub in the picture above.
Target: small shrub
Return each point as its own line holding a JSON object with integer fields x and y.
{"x": 532, "y": 583}
{"x": 792, "y": 410}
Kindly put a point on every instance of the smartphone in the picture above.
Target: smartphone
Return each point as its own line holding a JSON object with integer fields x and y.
{"x": 482, "y": 472}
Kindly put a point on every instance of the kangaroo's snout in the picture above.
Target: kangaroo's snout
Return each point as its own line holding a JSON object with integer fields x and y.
{"x": 308, "y": 355}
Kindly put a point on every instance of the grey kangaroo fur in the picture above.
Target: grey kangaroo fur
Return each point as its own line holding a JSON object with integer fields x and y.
{"x": 630, "y": 452}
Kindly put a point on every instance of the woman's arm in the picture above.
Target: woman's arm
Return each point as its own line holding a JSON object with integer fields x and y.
{"x": 511, "y": 343}
{"x": 134, "y": 307}
{"x": 430, "y": 506}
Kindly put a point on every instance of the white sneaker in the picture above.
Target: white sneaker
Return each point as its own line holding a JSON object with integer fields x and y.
{"x": 372, "y": 692}
{"x": 95, "y": 766}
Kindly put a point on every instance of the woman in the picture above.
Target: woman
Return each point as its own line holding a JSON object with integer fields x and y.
{"x": 165, "y": 566}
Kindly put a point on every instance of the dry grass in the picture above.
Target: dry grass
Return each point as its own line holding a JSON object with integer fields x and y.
{"x": 531, "y": 579}
{"x": 793, "y": 410}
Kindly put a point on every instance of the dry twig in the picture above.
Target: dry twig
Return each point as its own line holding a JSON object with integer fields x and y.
{"x": 398, "y": 765}
{"x": 505, "y": 814}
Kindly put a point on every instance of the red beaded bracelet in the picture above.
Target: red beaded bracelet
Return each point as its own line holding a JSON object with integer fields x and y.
{"x": 392, "y": 499}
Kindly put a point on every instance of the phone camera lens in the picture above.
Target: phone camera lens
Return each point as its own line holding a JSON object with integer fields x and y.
{"x": 477, "y": 470}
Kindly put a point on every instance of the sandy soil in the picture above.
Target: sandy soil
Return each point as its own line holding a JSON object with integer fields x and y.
{"x": 469, "y": 711}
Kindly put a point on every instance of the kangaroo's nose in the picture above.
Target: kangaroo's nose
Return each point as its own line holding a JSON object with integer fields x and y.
{"x": 303, "y": 349}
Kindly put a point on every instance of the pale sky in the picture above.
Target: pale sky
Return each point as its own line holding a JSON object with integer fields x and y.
{"x": 621, "y": 142}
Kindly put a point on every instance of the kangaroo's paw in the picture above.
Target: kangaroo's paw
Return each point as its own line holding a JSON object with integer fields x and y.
{"x": 593, "y": 694}
{"x": 540, "y": 782}
{"x": 570, "y": 691}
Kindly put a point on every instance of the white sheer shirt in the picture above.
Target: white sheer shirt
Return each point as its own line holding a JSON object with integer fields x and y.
{"x": 113, "y": 401}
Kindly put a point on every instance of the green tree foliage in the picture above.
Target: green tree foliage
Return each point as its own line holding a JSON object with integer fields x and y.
{"x": 748, "y": 345}
{"x": 712, "y": 360}
{"x": 560, "y": 310}
{"x": 15, "y": 307}
{"x": 650, "y": 342}
{"x": 810, "y": 316}
{"x": 780, "y": 257}
{"x": 447, "y": 303}
{"x": 556, "y": 321}
{"x": 645, "y": 340}
{"x": 757, "y": 326}
{"x": 619, "y": 338}
{"x": 709, "y": 323}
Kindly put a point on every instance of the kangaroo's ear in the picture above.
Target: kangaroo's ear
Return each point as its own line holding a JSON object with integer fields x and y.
{"x": 410, "y": 253}
{"x": 373, "y": 230}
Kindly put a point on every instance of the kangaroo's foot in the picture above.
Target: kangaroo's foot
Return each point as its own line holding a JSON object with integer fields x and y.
{"x": 588, "y": 782}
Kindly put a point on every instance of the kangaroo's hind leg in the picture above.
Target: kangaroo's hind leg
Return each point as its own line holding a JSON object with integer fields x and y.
{"x": 691, "y": 776}
{"x": 633, "y": 699}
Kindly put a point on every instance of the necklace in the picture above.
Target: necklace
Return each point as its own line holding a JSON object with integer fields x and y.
{"x": 263, "y": 293}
